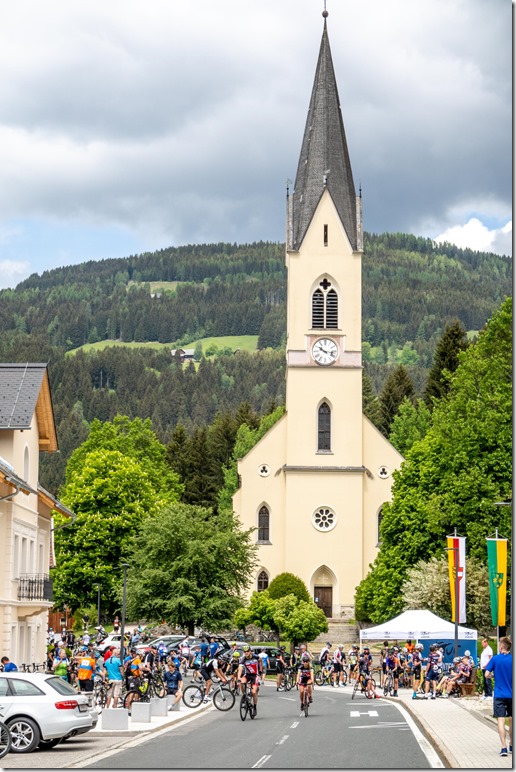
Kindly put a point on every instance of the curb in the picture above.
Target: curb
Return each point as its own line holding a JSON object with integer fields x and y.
{"x": 447, "y": 758}
{"x": 132, "y": 734}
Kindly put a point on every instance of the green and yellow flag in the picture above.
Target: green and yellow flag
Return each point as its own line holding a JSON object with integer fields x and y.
{"x": 497, "y": 569}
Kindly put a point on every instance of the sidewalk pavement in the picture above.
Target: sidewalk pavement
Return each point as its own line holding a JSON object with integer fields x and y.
{"x": 461, "y": 730}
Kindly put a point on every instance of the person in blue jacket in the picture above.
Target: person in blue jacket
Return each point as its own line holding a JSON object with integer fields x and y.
{"x": 500, "y": 666}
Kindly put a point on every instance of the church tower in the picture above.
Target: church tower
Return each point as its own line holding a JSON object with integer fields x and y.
{"x": 315, "y": 484}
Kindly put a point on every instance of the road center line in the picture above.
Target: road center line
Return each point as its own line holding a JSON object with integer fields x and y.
{"x": 261, "y": 762}
{"x": 293, "y": 726}
{"x": 285, "y": 737}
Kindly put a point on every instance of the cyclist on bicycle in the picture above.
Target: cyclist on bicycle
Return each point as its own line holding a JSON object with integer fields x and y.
{"x": 417, "y": 661}
{"x": 365, "y": 662}
{"x": 280, "y": 669}
{"x": 212, "y": 666}
{"x": 249, "y": 672}
{"x": 305, "y": 678}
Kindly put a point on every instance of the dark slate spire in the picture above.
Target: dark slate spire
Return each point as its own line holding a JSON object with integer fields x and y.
{"x": 324, "y": 160}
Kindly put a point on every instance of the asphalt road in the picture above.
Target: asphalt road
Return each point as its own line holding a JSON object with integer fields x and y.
{"x": 339, "y": 733}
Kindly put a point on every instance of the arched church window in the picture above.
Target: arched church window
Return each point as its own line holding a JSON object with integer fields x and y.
{"x": 263, "y": 581}
{"x": 324, "y": 427}
{"x": 325, "y": 307}
{"x": 263, "y": 524}
{"x": 380, "y": 518}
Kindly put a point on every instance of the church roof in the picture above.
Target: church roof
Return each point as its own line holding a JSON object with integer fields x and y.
{"x": 324, "y": 161}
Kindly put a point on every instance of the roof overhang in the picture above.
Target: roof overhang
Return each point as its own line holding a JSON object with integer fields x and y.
{"x": 45, "y": 418}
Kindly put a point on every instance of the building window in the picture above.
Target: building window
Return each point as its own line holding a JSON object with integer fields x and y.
{"x": 324, "y": 519}
{"x": 26, "y": 464}
{"x": 325, "y": 307}
{"x": 324, "y": 427}
{"x": 263, "y": 524}
{"x": 263, "y": 581}
{"x": 325, "y": 236}
{"x": 380, "y": 518}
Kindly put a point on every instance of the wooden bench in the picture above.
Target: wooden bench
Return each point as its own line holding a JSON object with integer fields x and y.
{"x": 467, "y": 689}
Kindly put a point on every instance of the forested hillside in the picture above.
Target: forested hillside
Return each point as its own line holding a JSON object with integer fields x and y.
{"x": 411, "y": 290}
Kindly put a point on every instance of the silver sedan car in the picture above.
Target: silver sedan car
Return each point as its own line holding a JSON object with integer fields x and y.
{"x": 41, "y": 709}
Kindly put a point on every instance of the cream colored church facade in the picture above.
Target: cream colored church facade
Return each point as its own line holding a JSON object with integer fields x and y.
{"x": 315, "y": 484}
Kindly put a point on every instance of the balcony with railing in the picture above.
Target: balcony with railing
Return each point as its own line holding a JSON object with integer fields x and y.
{"x": 35, "y": 587}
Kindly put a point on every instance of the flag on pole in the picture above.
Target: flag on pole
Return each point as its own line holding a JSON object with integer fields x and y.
{"x": 455, "y": 543}
{"x": 497, "y": 570}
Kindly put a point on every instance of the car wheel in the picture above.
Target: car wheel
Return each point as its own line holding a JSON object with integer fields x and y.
{"x": 49, "y": 743}
{"x": 25, "y": 735}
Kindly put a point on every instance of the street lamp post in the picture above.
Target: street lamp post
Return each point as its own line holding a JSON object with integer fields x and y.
{"x": 125, "y": 566}
{"x": 98, "y": 603}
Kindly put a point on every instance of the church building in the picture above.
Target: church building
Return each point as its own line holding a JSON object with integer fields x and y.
{"x": 315, "y": 484}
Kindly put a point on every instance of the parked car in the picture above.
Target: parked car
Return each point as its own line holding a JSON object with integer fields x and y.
{"x": 41, "y": 709}
{"x": 168, "y": 640}
{"x": 113, "y": 639}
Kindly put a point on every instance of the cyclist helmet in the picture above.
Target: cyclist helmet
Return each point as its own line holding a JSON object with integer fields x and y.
{"x": 433, "y": 646}
{"x": 405, "y": 650}
{"x": 355, "y": 646}
{"x": 282, "y": 648}
{"x": 246, "y": 647}
{"x": 236, "y": 654}
{"x": 467, "y": 653}
{"x": 328, "y": 643}
{"x": 396, "y": 648}
{"x": 305, "y": 657}
{"x": 419, "y": 646}
{"x": 340, "y": 646}
{"x": 366, "y": 648}
{"x": 456, "y": 659}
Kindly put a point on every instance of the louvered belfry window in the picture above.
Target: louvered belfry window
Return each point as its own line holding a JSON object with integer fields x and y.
{"x": 324, "y": 427}
{"x": 325, "y": 307}
{"x": 263, "y": 524}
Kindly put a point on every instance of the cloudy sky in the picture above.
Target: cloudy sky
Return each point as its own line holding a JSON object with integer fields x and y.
{"x": 128, "y": 126}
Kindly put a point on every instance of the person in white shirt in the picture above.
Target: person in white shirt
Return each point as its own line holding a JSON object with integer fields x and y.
{"x": 485, "y": 658}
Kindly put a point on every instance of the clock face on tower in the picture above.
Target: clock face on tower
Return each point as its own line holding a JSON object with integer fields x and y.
{"x": 325, "y": 351}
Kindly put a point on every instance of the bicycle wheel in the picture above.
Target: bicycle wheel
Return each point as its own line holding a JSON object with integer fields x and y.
{"x": 193, "y": 696}
{"x": 244, "y": 707}
{"x": 305, "y": 705}
{"x": 287, "y": 682}
{"x": 5, "y": 740}
{"x": 387, "y": 686}
{"x": 133, "y": 695}
{"x": 355, "y": 688}
{"x": 344, "y": 678}
{"x": 157, "y": 689}
{"x": 319, "y": 678}
{"x": 223, "y": 699}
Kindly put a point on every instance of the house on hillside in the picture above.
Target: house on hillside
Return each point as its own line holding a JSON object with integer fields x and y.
{"x": 27, "y": 428}
{"x": 184, "y": 354}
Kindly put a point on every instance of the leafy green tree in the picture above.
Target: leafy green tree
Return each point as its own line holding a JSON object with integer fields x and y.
{"x": 288, "y": 584}
{"x": 427, "y": 586}
{"x": 136, "y": 440}
{"x": 397, "y": 386}
{"x": 410, "y": 424}
{"x": 112, "y": 497}
{"x": 446, "y": 360}
{"x": 451, "y": 477}
{"x": 298, "y": 620}
{"x": 189, "y": 566}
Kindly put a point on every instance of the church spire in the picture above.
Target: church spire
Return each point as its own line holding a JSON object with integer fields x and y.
{"x": 324, "y": 161}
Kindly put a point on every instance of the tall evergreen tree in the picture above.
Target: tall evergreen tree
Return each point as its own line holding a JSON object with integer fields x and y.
{"x": 370, "y": 403}
{"x": 446, "y": 360}
{"x": 397, "y": 386}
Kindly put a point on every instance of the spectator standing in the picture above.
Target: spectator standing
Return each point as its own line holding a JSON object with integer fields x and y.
{"x": 173, "y": 680}
{"x": 61, "y": 664}
{"x": 500, "y": 667}
{"x": 485, "y": 658}
{"x": 205, "y": 650}
{"x": 116, "y": 624}
{"x": 85, "y": 620}
{"x": 115, "y": 674}
{"x": 264, "y": 657}
{"x": 214, "y": 647}
{"x": 85, "y": 670}
{"x": 86, "y": 639}
{"x": 8, "y": 666}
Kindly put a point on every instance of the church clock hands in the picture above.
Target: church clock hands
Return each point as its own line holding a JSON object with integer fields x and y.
{"x": 325, "y": 351}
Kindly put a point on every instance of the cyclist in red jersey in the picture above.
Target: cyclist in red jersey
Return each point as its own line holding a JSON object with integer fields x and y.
{"x": 249, "y": 672}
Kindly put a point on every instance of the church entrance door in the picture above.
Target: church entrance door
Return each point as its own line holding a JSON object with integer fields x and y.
{"x": 323, "y": 596}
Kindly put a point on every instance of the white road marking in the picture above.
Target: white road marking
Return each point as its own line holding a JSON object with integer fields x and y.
{"x": 285, "y": 737}
{"x": 433, "y": 759}
{"x": 261, "y": 762}
{"x": 355, "y": 713}
{"x": 293, "y": 726}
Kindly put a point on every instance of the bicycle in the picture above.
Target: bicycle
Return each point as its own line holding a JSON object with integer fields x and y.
{"x": 306, "y": 702}
{"x": 289, "y": 678}
{"x": 388, "y": 684}
{"x": 5, "y": 740}
{"x": 151, "y": 686}
{"x": 324, "y": 674}
{"x": 360, "y": 682}
{"x": 246, "y": 703}
{"x": 223, "y": 698}
{"x": 100, "y": 690}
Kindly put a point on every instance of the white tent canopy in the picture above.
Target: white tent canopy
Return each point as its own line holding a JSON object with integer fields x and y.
{"x": 416, "y": 625}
